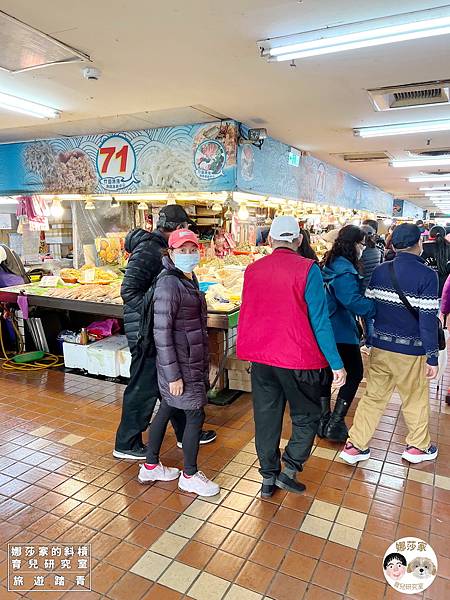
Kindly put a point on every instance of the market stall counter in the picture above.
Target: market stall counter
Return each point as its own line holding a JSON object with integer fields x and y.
{"x": 104, "y": 301}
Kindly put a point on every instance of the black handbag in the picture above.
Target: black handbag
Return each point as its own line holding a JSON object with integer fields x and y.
{"x": 442, "y": 344}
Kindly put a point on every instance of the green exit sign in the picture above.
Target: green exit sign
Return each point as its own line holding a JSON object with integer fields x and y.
{"x": 294, "y": 157}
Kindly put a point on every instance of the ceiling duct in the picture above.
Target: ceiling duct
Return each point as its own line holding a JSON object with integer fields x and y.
{"x": 364, "y": 157}
{"x": 412, "y": 95}
{"x": 24, "y": 48}
{"x": 424, "y": 152}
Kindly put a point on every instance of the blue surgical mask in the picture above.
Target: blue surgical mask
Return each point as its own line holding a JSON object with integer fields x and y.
{"x": 186, "y": 262}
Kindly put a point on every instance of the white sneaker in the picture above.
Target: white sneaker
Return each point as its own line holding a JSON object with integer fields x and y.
{"x": 159, "y": 473}
{"x": 198, "y": 484}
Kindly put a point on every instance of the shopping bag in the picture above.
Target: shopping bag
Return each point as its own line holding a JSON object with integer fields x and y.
{"x": 443, "y": 357}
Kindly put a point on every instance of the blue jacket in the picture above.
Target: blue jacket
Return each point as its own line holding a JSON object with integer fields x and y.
{"x": 345, "y": 300}
{"x": 396, "y": 330}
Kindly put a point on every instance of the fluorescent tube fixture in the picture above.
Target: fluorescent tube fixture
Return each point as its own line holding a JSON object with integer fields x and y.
{"x": 362, "y": 34}
{"x": 430, "y": 177}
{"x": 403, "y": 128}
{"x": 430, "y": 161}
{"x": 27, "y": 107}
{"x": 435, "y": 189}
{"x": 438, "y": 194}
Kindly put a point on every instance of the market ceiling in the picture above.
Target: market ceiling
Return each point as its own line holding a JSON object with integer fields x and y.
{"x": 160, "y": 59}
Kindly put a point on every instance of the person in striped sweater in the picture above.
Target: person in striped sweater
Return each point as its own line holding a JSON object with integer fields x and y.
{"x": 405, "y": 349}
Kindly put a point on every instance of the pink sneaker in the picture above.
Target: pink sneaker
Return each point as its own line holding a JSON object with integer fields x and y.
{"x": 353, "y": 455}
{"x": 416, "y": 456}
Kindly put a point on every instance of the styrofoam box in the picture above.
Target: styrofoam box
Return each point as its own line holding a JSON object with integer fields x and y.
{"x": 124, "y": 362}
{"x": 75, "y": 356}
{"x": 103, "y": 356}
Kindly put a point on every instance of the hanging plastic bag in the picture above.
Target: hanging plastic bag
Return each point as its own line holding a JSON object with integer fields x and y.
{"x": 443, "y": 357}
{"x": 103, "y": 329}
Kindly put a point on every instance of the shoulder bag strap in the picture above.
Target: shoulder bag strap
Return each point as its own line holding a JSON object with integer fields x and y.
{"x": 400, "y": 293}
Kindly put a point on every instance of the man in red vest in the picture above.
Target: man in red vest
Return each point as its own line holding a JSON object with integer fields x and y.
{"x": 285, "y": 331}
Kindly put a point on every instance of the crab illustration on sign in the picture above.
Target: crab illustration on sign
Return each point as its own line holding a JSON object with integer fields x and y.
{"x": 210, "y": 158}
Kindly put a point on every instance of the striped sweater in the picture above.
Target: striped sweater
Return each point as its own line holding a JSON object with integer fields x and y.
{"x": 396, "y": 330}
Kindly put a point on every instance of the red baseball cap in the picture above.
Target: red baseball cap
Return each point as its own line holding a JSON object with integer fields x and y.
{"x": 181, "y": 236}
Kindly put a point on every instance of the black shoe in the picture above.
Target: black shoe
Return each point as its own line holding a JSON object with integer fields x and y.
{"x": 337, "y": 431}
{"x": 268, "y": 489}
{"x": 324, "y": 415}
{"x": 291, "y": 485}
{"x": 136, "y": 454}
{"x": 206, "y": 438}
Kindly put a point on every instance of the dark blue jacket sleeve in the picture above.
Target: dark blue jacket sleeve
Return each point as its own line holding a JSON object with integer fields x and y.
{"x": 319, "y": 318}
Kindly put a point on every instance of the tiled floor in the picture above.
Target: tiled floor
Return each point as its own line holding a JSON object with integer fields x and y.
{"x": 58, "y": 482}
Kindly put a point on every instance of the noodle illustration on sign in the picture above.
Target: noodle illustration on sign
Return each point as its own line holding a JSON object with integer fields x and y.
{"x": 69, "y": 171}
{"x": 209, "y": 159}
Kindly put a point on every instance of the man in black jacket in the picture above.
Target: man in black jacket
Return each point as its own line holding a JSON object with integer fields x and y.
{"x": 142, "y": 391}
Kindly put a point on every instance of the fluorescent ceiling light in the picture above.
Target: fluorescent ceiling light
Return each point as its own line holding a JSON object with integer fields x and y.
{"x": 435, "y": 189}
{"x": 430, "y": 161}
{"x": 27, "y": 107}
{"x": 438, "y": 193}
{"x": 24, "y": 48}
{"x": 362, "y": 34}
{"x": 403, "y": 128}
{"x": 423, "y": 178}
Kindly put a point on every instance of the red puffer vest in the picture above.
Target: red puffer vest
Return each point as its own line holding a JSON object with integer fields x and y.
{"x": 274, "y": 327}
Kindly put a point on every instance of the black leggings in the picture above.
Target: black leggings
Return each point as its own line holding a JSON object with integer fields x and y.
{"x": 353, "y": 364}
{"x": 191, "y": 435}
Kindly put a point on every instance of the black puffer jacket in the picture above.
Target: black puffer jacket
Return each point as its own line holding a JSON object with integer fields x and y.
{"x": 144, "y": 265}
{"x": 181, "y": 338}
{"x": 371, "y": 258}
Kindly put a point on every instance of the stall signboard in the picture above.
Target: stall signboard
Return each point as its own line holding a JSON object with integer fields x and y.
{"x": 275, "y": 170}
{"x": 406, "y": 210}
{"x": 181, "y": 159}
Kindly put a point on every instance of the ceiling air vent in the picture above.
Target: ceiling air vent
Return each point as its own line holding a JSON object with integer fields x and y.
{"x": 412, "y": 95}
{"x": 423, "y": 152}
{"x": 358, "y": 157}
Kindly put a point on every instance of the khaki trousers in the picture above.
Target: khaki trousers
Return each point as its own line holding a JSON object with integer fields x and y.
{"x": 388, "y": 371}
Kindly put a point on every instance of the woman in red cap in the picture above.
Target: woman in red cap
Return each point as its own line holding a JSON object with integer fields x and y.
{"x": 181, "y": 341}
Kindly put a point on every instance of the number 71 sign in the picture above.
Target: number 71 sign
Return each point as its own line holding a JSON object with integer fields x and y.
{"x": 116, "y": 163}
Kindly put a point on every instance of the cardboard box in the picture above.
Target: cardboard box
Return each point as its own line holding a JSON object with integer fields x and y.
{"x": 235, "y": 364}
{"x": 235, "y": 384}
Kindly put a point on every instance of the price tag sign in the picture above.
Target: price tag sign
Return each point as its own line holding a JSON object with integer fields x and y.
{"x": 116, "y": 163}
{"x": 50, "y": 281}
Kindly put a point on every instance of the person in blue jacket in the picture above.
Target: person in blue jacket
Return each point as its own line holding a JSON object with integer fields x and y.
{"x": 346, "y": 302}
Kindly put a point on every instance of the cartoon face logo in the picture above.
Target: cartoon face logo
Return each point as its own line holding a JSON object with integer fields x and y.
{"x": 395, "y": 566}
{"x": 422, "y": 567}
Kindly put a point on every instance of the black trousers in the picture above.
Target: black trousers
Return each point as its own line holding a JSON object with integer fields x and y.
{"x": 272, "y": 387}
{"x": 139, "y": 400}
{"x": 353, "y": 364}
{"x": 191, "y": 436}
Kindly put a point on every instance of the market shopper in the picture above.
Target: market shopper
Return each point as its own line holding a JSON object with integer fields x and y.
{"x": 141, "y": 393}
{"x": 436, "y": 254}
{"x": 181, "y": 340}
{"x": 285, "y": 332}
{"x": 405, "y": 349}
{"x": 305, "y": 249}
{"x": 371, "y": 257}
{"x": 379, "y": 241}
{"x": 346, "y": 302}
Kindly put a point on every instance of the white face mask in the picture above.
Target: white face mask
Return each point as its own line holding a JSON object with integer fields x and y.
{"x": 359, "y": 252}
